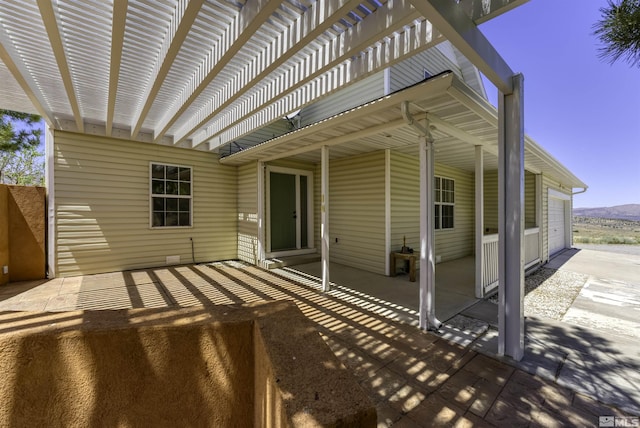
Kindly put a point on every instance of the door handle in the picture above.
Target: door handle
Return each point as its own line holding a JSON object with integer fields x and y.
{"x": 294, "y": 215}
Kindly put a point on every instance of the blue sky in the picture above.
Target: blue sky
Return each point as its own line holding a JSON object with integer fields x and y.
{"x": 582, "y": 110}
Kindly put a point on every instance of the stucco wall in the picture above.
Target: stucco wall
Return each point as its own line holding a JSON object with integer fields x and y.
{"x": 214, "y": 366}
{"x": 4, "y": 233}
{"x": 27, "y": 225}
{"x": 22, "y": 233}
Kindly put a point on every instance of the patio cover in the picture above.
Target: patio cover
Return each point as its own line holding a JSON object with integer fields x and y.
{"x": 199, "y": 73}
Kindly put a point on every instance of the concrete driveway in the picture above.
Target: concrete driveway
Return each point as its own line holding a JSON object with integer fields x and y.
{"x": 610, "y": 299}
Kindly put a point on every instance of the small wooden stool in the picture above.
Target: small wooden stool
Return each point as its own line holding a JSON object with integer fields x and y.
{"x": 412, "y": 263}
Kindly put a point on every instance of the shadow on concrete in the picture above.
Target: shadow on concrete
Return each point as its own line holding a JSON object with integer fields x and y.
{"x": 579, "y": 359}
{"x": 413, "y": 377}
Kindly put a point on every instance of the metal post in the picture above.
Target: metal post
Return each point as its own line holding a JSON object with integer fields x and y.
{"x": 428, "y": 320}
{"x": 479, "y": 221}
{"x": 324, "y": 210}
{"x": 260, "y": 214}
{"x": 511, "y": 221}
{"x": 49, "y": 175}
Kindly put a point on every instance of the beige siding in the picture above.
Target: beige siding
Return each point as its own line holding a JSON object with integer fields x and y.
{"x": 459, "y": 241}
{"x": 529, "y": 200}
{"x": 356, "y": 211}
{"x": 354, "y": 95}
{"x": 491, "y": 200}
{"x": 102, "y": 206}
{"x": 411, "y": 70}
{"x": 405, "y": 208}
{"x": 248, "y": 212}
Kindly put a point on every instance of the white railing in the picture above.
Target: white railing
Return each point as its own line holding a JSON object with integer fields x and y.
{"x": 490, "y": 256}
{"x": 531, "y": 247}
{"x": 489, "y": 262}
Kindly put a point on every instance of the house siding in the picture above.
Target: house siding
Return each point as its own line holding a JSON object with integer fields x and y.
{"x": 366, "y": 90}
{"x": 248, "y": 212}
{"x": 491, "y": 200}
{"x": 102, "y": 206}
{"x": 356, "y": 211}
{"x": 529, "y": 200}
{"x": 411, "y": 71}
{"x": 405, "y": 208}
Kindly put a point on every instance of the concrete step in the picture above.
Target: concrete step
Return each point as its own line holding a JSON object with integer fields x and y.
{"x": 279, "y": 262}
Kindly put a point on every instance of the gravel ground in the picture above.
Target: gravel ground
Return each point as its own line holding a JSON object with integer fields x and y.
{"x": 549, "y": 293}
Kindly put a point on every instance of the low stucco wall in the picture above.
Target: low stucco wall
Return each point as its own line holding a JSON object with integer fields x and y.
{"x": 257, "y": 365}
{"x": 22, "y": 233}
{"x": 4, "y": 233}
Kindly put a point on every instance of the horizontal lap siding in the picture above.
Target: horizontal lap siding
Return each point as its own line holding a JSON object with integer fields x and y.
{"x": 248, "y": 212}
{"x": 356, "y": 211}
{"x": 354, "y": 95}
{"x": 411, "y": 71}
{"x": 405, "y": 201}
{"x": 529, "y": 200}
{"x": 491, "y": 200}
{"x": 102, "y": 206}
{"x": 459, "y": 241}
{"x": 405, "y": 208}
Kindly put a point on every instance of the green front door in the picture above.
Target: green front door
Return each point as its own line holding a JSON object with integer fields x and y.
{"x": 283, "y": 211}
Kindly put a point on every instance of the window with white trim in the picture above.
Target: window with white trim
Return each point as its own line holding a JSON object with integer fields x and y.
{"x": 171, "y": 195}
{"x": 444, "y": 202}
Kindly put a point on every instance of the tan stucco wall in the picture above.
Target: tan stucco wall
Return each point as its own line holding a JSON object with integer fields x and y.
{"x": 22, "y": 233}
{"x": 4, "y": 233}
{"x": 27, "y": 225}
{"x": 197, "y": 366}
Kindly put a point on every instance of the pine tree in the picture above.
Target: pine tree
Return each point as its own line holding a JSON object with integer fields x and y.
{"x": 619, "y": 31}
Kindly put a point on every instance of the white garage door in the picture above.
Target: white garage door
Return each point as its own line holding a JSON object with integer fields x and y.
{"x": 556, "y": 225}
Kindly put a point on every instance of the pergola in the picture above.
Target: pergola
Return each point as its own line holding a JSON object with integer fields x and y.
{"x": 201, "y": 74}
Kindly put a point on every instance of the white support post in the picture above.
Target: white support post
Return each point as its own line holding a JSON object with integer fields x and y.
{"x": 479, "y": 220}
{"x": 49, "y": 175}
{"x": 324, "y": 210}
{"x": 428, "y": 320}
{"x": 539, "y": 214}
{"x": 261, "y": 255}
{"x": 511, "y": 221}
{"x": 387, "y": 210}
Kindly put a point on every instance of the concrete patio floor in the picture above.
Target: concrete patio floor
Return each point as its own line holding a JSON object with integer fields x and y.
{"x": 415, "y": 378}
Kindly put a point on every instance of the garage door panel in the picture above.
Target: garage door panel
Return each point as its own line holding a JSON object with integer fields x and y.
{"x": 556, "y": 225}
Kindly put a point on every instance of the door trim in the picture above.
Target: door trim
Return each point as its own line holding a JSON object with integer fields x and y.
{"x": 310, "y": 213}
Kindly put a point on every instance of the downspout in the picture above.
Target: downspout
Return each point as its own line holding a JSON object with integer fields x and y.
{"x": 427, "y": 304}
{"x": 584, "y": 189}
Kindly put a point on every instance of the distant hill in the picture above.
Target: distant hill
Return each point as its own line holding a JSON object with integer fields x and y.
{"x": 623, "y": 212}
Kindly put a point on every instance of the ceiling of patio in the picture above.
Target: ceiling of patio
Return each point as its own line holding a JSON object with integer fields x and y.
{"x": 201, "y": 73}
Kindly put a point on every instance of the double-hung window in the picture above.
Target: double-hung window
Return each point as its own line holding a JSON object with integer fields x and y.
{"x": 444, "y": 203}
{"x": 171, "y": 195}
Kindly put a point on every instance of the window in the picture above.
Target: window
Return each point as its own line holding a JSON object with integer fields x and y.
{"x": 171, "y": 195}
{"x": 444, "y": 203}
